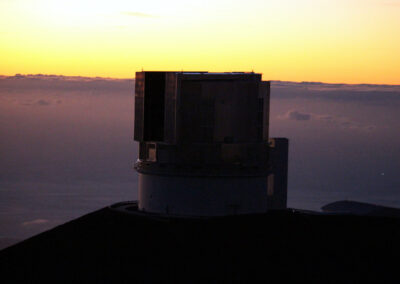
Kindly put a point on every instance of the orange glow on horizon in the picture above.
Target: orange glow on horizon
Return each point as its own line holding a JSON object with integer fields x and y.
{"x": 343, "y": 41}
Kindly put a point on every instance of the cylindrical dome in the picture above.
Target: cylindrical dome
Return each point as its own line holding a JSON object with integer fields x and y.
{"x": 203, "y": 143}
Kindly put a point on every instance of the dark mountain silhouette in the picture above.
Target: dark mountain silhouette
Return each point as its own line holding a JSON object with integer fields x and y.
{"x": 108, "y": 246}
{"x": 360, "y": 208}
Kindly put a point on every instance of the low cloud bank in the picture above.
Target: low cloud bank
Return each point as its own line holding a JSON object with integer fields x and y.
{"x": 336, "y": 120}
{"x": 361, "y": 93}
{"x": 296, "y": 115}
{"x": 46, "y": 83}
{"x": 324, "y": 87}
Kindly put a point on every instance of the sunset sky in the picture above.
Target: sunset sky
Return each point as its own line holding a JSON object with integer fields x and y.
{"x": 347, "y": 41}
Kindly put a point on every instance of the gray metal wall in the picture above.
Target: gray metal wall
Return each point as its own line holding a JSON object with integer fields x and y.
{"x": 279, "y": 153}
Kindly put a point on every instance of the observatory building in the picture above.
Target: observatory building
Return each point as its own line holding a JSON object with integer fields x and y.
{"x": 204, "y": 148}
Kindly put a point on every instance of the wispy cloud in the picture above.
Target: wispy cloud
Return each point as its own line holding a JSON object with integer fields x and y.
{"x": 138, "y": 14}
{"x": 40, "y": 102}
{"x": 35, "y": 222}
{"x": 43, "y": 103}
{"x": 336, "y": 120}
{"x": 296, "y": 115}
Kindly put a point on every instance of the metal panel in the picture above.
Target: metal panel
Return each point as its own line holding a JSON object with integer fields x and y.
{"x": 190, "y": 111}
{"x": 264, "y": 89}
{"x": 170, "y": 108}
{"x": 139, "y": 106}
{"x": 279, "y": 162}
{"x": 236, "y": 106}
{"x": 154, "y": 106}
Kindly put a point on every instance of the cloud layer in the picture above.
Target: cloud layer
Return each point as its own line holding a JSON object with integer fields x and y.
{"x": 335, "y": 120}
{"x": 296, "y": 115}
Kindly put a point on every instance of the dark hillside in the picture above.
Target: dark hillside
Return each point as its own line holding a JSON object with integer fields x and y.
{"x": 113, "y": 247}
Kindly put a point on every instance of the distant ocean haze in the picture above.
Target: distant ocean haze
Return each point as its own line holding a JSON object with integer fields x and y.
{"x": 67, "y": 146}
{"x": 343, "y": 141}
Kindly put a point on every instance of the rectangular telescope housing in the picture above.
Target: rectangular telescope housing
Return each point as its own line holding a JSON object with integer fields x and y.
{"x": 200, "y": 125}
{"x": 214, "y": 117}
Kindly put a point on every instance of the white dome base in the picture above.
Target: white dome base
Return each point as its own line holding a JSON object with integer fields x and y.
{"x": 203, "y": 196}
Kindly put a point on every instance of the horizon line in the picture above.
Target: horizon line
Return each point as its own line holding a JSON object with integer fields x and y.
{"x": 133, "y": 78}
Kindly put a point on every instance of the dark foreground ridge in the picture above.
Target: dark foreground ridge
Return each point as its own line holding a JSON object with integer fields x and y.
{"x": 108, "y": 246}
{"x": 360, "y": 208}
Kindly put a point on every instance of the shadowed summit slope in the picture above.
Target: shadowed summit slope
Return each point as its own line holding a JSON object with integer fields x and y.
{"x": 108, "y": 246}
